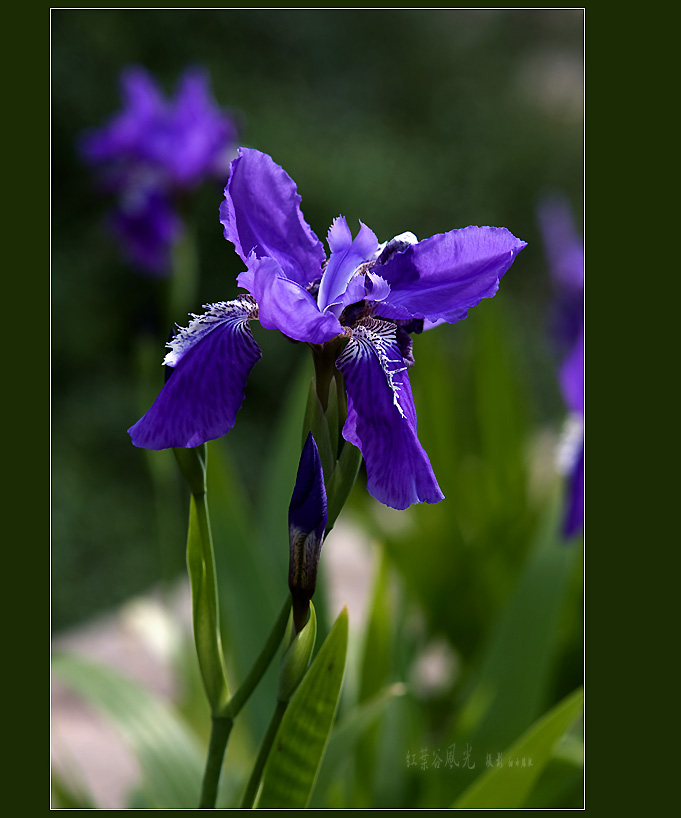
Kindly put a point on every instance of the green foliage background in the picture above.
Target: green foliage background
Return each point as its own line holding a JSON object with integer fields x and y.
{"x": 419, "y": 120}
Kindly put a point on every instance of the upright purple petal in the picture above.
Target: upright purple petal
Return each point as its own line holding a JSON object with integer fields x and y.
{"x": 346, "y": 256}
{"x": 261, "y": 213}
{"x": 381, "y": 418}
{"x": 444, "y": 276}
{"x": 285, "y": 305}
{"x": 198, "y": 137}
{"x": 212, "y": 359}
{"x": 122, "y": 138}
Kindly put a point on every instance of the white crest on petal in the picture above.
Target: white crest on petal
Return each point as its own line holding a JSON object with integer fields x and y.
{"x": 237, "y": 313}
{"x": 379, "y": 338}
{"x": 397, "y": 243}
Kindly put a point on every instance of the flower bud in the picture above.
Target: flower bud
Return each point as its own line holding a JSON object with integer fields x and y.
{"x": 306, "y": 525}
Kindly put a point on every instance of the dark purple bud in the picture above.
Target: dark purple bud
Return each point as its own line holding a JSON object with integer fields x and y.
{"x": 306, "y": 526}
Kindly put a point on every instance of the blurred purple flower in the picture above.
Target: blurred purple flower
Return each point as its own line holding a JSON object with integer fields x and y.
{"x": 361, "y": 303}
{"x": 153, "y": 151}
{"x": 565, "y": 256}
{"x": 571, "y": 453}
{"x": 564, "y": 250}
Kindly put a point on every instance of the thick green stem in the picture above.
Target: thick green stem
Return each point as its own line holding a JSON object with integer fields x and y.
{"x": 265, "y": 747}
{"x": 221, "y": 727}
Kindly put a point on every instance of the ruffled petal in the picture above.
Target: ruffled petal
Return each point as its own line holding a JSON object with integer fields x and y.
{"x": 381, "y": 418}
{"x": 212, "y": 359}
{"x": 444, "y": 276}
{"x": 285, "y": 305}
{"x": 261, "y": 213}
{"x": 346, "y": 256}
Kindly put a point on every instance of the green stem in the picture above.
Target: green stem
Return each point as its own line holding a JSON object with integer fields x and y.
{"x": 263, "y": 753}
{"x": 222, "y": 724}
{"x": 262, "y": 662}
{"x": 221, "y": 727}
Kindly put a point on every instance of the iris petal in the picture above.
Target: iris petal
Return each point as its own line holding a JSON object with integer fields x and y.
{"x": 261, "y": 212}
{"x": 286, "y": 306}
{"x": 444, "y": 276}
{"x": 346, "y": 256}
{"x": 381, "y": 418}
{"x": 212, "y": 359}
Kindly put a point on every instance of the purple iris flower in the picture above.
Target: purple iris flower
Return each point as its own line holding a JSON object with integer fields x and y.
{"x": 154, "y": 151}
{"x": 565, "y": 256}
{"x": 360, "y": 304}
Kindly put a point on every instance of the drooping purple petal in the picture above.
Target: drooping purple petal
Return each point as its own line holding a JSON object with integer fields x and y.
{"x": 285, "y": 305}
{"x": 346, "y": 256}
{"x": 261, "y": 213}
{"x": 444, "y": 276}
{"x": 212, "y": 359}
{"x": 381, "y": 418}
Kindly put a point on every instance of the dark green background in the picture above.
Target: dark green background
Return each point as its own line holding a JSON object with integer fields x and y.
{"x": 405, "y": 119}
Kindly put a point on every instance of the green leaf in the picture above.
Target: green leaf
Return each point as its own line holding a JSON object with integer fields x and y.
{"x": 205, "y": 615}
{"x": 511, "y": 686}
{"x": 507, "y": 787}
{"x": 170, "y": 757}
{"x": 375, "y": 669}
{"x": 376, "y": 654}
{"x": 291, "y": 769}
{"x": 342, "y": 480}
{"x": 346, "y": 734}
{"x": 315, "y": 421}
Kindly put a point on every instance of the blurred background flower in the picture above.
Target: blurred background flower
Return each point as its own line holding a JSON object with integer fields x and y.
{"x": 153, "y": 153}
{"x": 565, "y": 256}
